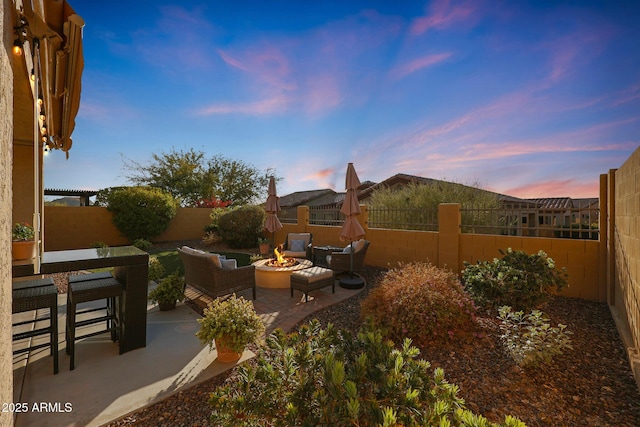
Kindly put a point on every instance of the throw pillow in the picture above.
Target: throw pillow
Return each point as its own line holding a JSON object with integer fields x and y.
{"x": 297, "y": 246}
{"x": 229, "y": 264}
{"x": 347, "y": 249}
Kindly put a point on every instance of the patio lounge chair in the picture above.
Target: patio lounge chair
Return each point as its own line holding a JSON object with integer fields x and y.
{"x": 298, "y": 245}
{"x": 341, "y": 261}
{"x": 204, "y": 272}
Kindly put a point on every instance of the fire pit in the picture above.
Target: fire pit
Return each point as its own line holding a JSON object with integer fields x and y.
{"x": 276, "y": 272}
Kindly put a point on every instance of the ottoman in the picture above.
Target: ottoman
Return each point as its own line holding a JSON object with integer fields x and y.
{"x": 311, "y": 279}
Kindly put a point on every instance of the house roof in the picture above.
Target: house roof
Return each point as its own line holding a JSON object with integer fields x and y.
{"x": 309, "y": 198}
{"x": 330, "y": 197}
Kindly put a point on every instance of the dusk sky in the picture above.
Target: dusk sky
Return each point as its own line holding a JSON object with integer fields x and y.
{"x": 529, "y": 99}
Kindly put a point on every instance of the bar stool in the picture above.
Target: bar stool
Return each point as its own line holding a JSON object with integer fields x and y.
{"x": 33, "y": 295}
{"x": 92, "y": 287}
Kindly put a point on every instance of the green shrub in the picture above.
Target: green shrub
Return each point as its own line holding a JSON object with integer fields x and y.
{"x": 156, "y": 269}
{"x": 241, "y": 227}
{"x": 170, "y": 289}
{"x": 143, "y": 244}
{"x": 215, "y": 215}
{"x": 530, "y": 339}
{"x": 141, "y": 212}
{"x": 326, "y": 377}
{"x": 421, "y": 302}
{"x": 518, "y": 280}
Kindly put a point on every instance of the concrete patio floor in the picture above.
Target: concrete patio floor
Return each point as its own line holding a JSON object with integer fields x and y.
{"x": 105, "y": 385}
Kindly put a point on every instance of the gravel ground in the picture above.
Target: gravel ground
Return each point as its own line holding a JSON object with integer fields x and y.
{"x": 591, "y": 385}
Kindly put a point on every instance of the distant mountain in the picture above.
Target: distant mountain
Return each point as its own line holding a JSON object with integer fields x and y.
{"x": 64, "y": 201}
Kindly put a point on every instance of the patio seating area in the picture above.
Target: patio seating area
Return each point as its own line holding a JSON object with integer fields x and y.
{"x": 107, "y": 385}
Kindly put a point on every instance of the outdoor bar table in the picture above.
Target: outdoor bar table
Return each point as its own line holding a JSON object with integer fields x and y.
{"x": 131, "y": 269}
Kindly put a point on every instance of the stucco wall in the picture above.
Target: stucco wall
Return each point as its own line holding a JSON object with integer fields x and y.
{"x": 72, "y": 227}
{"x": 626, "y": 244}
{"x": 6, "y": 144}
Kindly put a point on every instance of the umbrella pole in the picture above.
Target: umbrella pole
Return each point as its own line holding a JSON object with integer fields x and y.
{"x": 353, "y": 281}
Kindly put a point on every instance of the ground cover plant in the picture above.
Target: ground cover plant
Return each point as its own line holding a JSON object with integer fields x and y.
{"x": 422, "y": 302}
{"x": 327, "y": 377}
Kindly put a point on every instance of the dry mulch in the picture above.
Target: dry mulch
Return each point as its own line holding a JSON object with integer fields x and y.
{"x": 591, "y": 385}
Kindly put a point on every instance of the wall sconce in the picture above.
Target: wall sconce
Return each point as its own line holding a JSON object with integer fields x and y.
{"x": 17, "y": 47}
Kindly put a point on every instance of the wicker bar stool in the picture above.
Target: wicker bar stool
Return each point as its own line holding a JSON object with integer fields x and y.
{"x": 92, "y": 287}
{"x": 33, "y": 295}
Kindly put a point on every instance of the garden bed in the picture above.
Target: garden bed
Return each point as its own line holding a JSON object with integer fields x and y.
{"x": 591, "y": 385}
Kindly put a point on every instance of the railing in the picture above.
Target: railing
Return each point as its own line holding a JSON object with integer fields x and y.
{"x": 533, "y": 221}
{"x": 288, "y": 216}
{"x": 322, "y": 215}
{"x": 403, "y": 219}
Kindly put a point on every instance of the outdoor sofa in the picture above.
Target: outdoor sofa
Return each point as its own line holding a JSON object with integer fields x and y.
{"x": 204, "y": 272}
{"x": 341, "y": 261}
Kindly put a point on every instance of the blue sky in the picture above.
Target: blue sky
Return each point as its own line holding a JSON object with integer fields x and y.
{"x": 530, "y": 99}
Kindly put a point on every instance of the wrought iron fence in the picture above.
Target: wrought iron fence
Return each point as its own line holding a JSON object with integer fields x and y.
{"x": 528, "y": 219}
{"x": 323, "y": 215}
{"x": 288, "y": 216}
{"x": 403, "y": 218}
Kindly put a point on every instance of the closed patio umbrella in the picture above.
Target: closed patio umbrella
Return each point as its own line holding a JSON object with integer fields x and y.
{"x": 351, "y": 229}
{"x": 272, "y": 207}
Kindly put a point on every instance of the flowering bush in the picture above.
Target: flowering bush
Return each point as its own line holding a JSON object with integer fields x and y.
{"x": 22, "y": 232}
{"x": 421, "y": 302}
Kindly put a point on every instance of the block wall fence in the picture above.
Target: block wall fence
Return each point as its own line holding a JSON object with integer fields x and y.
{"x": 607, "y": 270}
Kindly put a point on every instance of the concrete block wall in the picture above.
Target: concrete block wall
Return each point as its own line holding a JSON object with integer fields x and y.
{"x": 624, "y": 297}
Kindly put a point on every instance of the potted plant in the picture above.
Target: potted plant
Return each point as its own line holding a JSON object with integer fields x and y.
{"x": 233, "y": 323}
{"x": 168, "y": 292}
{"x": 264, "y": 245}
{"x": 23, "y": 245}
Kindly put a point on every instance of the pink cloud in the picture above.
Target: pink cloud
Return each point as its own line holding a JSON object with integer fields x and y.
{"x": 267, "y": 106}
{"x": 418, "y": 64}
{"x": 442, "y": 15}
{"x": 556, "y": 188}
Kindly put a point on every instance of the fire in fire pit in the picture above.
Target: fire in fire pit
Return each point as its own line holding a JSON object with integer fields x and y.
{"x": 280, "y": 260}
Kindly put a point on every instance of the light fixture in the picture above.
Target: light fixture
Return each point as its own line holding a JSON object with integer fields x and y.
{"x": 33, "y": 75}
{"x": 43, "y": 130}
{"x": 42, "y": 116}
{"x": 17, "y": 47}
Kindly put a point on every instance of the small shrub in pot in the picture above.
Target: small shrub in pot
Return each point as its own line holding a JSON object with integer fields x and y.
{"x": 169, "y": 291}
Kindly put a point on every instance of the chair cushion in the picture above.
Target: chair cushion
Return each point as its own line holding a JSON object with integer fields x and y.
{"x": 347, "y": 249}
{"x": 313, "y": 274}
{"x": 294, "y": 254}
{"x": 216, "y": 259}
{"x": 359, "y": 245}
{"x": 297, "y": 246}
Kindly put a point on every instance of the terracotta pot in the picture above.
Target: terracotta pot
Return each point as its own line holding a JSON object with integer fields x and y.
{"x": 23, "y": 250}
{"x": 166, "y": 306}
{"x": 225, "y": 353}
{"x": 264, "y": 248}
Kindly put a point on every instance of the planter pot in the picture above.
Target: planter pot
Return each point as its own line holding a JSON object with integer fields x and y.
{"x": 225, "y": 353}
{"x": 166, "y": 306}
{"x": 23, "y": 250}
{"x": 264, "y": 248}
